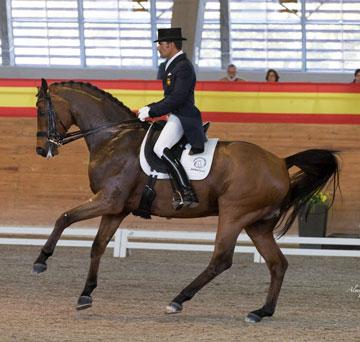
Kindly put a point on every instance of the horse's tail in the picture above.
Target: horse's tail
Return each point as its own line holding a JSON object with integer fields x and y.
{"x": 317, "y": 167}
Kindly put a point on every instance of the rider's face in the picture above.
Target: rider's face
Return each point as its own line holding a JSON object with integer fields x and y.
{"x": 165, "y": 49}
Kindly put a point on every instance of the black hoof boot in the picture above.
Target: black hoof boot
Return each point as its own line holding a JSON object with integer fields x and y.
{"x": 84, "y": 302}
{"x": 257, "y": 315}
{"x": 173, "y": 308}
{"x": 38, "y": 268}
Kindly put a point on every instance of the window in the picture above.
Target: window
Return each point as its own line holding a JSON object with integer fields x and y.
{"x": 298, "y": 35}
{"x": 293, "y": 35}
{"x": 87, "y": 33}
{"x": 210, "y": 48}
{"x": 276, "y": 34}
{"x": 45, "y": 32}
{"x": 264, "y": 36}
{"x": 332, "y": 35}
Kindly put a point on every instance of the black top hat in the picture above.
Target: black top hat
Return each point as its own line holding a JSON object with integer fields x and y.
{"x": 169, "y": 35}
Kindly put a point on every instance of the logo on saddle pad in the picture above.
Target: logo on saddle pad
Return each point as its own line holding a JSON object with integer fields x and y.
{"x": 197, "y": 166}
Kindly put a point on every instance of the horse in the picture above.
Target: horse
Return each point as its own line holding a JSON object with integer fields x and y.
{"x": 247, "y": 188}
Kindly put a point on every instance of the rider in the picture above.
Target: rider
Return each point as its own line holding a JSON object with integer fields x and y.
{"x": 179, "y": 81}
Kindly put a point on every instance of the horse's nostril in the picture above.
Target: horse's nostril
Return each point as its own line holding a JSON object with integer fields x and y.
{"x": 41, "y": 151}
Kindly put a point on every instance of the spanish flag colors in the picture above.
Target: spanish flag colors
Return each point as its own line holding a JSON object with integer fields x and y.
{"x": 309, "y": 103}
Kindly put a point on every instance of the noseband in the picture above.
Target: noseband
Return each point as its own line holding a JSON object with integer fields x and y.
{"x": 55, "y": 138}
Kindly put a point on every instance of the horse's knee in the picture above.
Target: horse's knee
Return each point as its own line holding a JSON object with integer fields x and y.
{"x": 63, "y": 220}
{"x": 217, "y": 268}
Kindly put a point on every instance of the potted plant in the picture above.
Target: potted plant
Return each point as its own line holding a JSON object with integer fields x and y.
{"x": 313, "y": 218}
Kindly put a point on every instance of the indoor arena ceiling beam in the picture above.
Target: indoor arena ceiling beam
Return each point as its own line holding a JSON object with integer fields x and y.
{"x": 189, "y": 15}
{"x": 224, "y": 33}
{"x": 4, "y": 34}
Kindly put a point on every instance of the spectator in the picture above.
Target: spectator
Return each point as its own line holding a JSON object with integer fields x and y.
{"x": 272, "y": 76}
{"x": 161, "y": 71}
{"x": 232, "y": 74}
{"x": 356, "y": 76}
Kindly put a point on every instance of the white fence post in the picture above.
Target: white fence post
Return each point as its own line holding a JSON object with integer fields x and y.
{"x": 121, "y": 243}
{"x": 258, "y": 258}
{"x": 117, "y": 243}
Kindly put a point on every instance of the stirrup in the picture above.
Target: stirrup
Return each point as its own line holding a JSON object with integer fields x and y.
{"x": 188, "y": 199}
{"x": 177, "y": 200}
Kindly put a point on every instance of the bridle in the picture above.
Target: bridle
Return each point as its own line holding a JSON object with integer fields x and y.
{"x": 55, "y": 138}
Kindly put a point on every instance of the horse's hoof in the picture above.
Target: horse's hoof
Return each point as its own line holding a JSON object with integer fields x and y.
{"x": 84, "y": 302}
{"x": 38, "y": 268}
{"x": 252, "y": 318}
{"x": 173, "y": 308}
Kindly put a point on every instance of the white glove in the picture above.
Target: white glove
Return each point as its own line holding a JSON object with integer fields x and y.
{"x": 143, "y": 113}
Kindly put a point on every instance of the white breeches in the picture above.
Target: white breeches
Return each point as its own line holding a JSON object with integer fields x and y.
{"x": 169, "y": 136}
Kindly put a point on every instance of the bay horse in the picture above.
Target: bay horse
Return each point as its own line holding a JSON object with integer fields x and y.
{"x": 247, "y": 188}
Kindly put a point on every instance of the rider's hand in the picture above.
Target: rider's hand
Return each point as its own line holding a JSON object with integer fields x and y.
{"x": 143, "y": 113}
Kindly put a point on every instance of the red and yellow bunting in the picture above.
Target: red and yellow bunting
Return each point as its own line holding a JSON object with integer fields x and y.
{"x": 259, "y": 102}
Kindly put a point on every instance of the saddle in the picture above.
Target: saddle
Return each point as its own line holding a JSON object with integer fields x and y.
{"x": 154, "y": 161}
{"x": 158, "y": 165}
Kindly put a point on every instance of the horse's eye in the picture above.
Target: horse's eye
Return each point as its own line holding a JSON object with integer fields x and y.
{"x": 40, "y": 112}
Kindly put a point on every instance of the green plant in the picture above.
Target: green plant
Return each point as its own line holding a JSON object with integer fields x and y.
{"x": 319, "y": 198}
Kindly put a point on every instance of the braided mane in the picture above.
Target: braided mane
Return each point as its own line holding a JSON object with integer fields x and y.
{"x": 93, "y": 90}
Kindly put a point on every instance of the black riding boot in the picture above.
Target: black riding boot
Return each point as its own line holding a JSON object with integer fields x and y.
{"x": 187, "y": 196}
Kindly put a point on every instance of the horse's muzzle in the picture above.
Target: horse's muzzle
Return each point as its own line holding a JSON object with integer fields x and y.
{"x": 41, "y": 151}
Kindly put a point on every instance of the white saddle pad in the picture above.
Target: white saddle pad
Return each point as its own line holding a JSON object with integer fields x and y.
{"x": 196, "y": 166}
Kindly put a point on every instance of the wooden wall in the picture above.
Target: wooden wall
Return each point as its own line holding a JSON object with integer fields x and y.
{"x": 34, "y": 191}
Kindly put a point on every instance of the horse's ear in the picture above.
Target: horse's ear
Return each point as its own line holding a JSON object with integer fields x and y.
{"x": 44, "y": 85}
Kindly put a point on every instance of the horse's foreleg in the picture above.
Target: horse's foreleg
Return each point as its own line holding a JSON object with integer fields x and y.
{"x": 221, "y": 260}
{"x": 94, "y": 207}
{"x": 262, "y": 236}
{"x": 108, "y": 226}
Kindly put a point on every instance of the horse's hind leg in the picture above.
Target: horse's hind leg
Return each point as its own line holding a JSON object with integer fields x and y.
{"x": 261, "y": 234}
{"x": 95, "y": 207}
{"x": 108, "y": 226}
{"x": 225, "y": 242}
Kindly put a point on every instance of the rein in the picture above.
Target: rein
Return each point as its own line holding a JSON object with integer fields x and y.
{"x": 60, "y": 140}
{"x": 56, "y": 138}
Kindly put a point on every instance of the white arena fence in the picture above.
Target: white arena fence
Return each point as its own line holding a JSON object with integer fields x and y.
{"x": 125, "y": 240}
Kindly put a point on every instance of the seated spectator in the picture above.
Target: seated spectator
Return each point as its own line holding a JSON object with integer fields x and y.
{"x": 272, "y": 76}
{"x": 356, "y": 76}
{"x": 231, "y": 75}
{"x": 161, "y": 71}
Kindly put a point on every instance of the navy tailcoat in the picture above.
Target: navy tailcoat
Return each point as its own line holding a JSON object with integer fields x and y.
{"x": 179, "y": 81}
